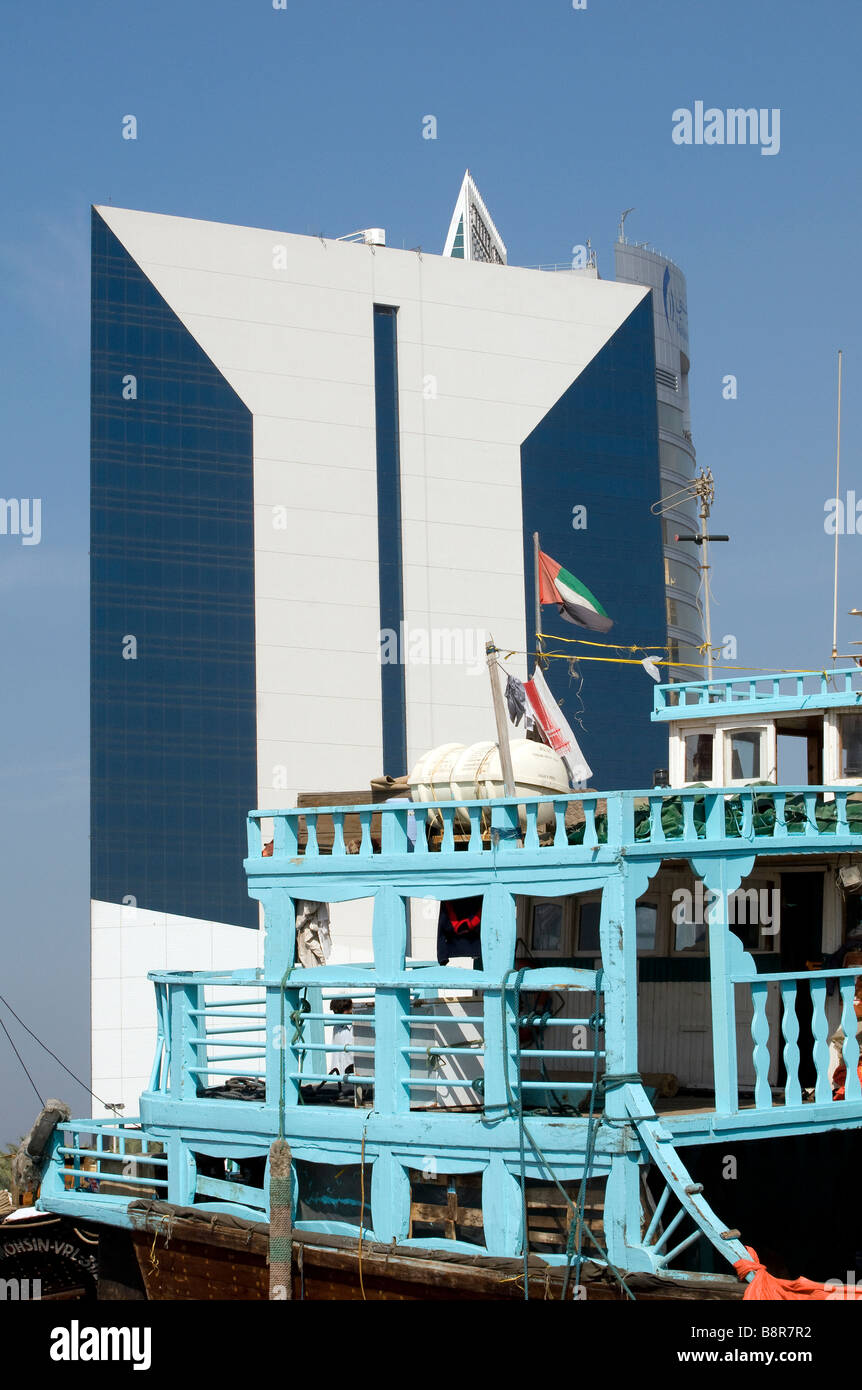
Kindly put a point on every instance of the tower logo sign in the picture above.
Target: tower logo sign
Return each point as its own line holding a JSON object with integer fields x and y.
{"x": 675, "y": 306}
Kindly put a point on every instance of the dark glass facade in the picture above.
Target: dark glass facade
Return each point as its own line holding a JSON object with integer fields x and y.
{"x": 598, "y": 448}
{"x": 173, "y": 731}
{"x": 389, "y": 547}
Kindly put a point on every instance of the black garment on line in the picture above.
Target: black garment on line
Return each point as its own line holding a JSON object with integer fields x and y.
{"x": 516, "y": 699}
{"x": 459, "y": 930}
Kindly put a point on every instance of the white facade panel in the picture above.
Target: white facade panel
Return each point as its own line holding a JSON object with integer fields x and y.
{"x": 348, "y": 446}
{"x": 301, "y": 622}
{"x": 310, "y": 487}
{"x": 284, "y": 671}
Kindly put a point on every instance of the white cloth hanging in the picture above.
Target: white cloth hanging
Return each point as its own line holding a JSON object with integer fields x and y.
{"x": 313, "y": 939}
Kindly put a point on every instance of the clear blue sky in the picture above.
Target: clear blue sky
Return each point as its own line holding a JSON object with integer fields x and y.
{"x": 310, "y": 120}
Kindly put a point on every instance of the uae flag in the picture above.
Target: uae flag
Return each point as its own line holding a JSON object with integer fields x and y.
{"x": 574, "y": 601}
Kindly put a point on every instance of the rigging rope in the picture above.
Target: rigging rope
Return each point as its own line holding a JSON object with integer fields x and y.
{"x": 21, "y": 1060}
{"x": 47, "y": 1049}
{"x": 542, "y": 655}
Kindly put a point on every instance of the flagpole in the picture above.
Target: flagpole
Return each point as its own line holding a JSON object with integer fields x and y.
{"x": 500, "y": 717}
{"x": 538, "y": 608}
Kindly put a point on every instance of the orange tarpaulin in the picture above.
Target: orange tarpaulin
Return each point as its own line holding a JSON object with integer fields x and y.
{"x": 765, "y": 1286}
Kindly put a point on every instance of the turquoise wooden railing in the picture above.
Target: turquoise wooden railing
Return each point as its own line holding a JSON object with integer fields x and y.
{"x": 112, "y": 1170}
{"x": 788, "y": 690}
{"x": 598, "y": 827}
{"x": 208, "y": 1027}
{"x": 781, "y": 1035}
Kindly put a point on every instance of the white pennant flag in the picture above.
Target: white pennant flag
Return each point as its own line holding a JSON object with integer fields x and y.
{"x": 650, "y": 667}
{"x": 555, "y": 729}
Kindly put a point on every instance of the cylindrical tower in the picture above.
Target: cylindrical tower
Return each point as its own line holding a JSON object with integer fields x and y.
{"x": 638, "y": 265}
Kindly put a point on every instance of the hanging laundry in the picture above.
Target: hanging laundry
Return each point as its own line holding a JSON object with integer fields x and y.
{"x": 516, "y": 699}
{"x": 459, "y": 930}
{"x": 313, "y": 939}
{"x": 555, "y": 730}
{"x": 342, "y": 1060}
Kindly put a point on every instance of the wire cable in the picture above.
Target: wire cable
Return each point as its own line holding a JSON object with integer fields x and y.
{"x": 23, "y": 1064}
{"x": 47, "y": 1049}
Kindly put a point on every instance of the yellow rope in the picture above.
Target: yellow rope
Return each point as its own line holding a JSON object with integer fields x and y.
{"x": 636, "y": 661}
{"x": 687, "y": 665}
{"x": 612, "y": 646}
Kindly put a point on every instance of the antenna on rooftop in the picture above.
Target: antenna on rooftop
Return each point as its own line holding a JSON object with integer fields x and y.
{"x": 703, "y": 488}
{"x": 852, "y": 656}
{"x": 621, "y": 236}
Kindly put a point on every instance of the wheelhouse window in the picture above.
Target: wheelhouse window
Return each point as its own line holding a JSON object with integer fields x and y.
{"x": 548, "y": 928}
{"x": 689, "y": 924}
{"x": 588, "y": 928}
{"x": 850, "y": 731}
{"x": 689, "y": 937}
{"x": 646, "y": 916}
{"x": 744, "y": 754}
{"x": 698, "y": 757}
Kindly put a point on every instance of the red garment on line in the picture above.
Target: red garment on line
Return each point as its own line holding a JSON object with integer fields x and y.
{"x": 764, "y": 1287}
{"x": 458, "y": 923}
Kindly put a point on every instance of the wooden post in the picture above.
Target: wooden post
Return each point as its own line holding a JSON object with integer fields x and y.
{"x": 500, "y": 717}
{"x": 280, "y": 1221}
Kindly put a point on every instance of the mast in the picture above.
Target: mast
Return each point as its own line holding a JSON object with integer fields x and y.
{"x": 703, "y": 488}
{"x": 705, "y": 497}
{"x": 500, "y": 717}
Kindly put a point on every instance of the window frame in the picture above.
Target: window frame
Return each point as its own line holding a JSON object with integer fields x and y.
{"x": 762, "y": 730}
{"x": 704, "y": 730}
{"x": 566, "y": 938}
{"x": 842, "y": 716}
